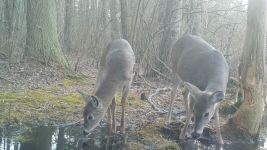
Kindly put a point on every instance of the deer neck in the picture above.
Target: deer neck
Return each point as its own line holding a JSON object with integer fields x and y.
{"x": 106, "y": 91}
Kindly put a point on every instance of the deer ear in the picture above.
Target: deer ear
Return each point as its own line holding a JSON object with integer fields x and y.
{"x": 94, "y": 101}
{"x": 86, "y": 98}
{"x": 218, "y": 96}
{"x": 192, "y": 88}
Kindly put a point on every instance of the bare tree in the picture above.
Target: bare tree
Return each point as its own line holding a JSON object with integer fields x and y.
{"x": 192, "y": 10}
{"x": 114, "y": 11}
{"x": 248, "y": 118}
{"x": 170, "y": 25}
{"x": 195, "y": 16}
{"x": 124, "y": 19}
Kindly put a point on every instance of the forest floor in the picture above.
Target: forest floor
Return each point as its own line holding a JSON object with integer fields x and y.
{"x": 36, "y": 95}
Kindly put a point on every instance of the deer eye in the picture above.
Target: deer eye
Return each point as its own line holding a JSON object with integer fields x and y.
{"x": 206, "y": 114}
{"x": 90, "y": 117}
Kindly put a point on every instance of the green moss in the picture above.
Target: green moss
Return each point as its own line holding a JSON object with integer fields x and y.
{"x": 68, "y": 82}
{"x": 169, "y": 146}
{"x": 74, "y": 75}
{"x": 133, "y": 101}
{"x": 7, "y": 96}
{"x": 134, "y": 145}
{"x": 151, "y": 135}
{"x": 53, "y": 89}
{"x": 72, "y": 99}
{"x": 38, "y": 106}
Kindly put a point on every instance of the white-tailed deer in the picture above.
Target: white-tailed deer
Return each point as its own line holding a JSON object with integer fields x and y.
{"x": 116, "y": 69}
{"x": 203, "y": 71}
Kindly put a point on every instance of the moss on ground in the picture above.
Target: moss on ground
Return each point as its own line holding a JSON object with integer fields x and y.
{"x": 41, "y": 107}
{"x": 134, "y": 101}
{"x": 71, "y": 82}
{"x": 151, "y": 136}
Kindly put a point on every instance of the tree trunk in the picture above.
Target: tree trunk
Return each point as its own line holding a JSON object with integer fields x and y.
{"x": 60, "y": 9}
{"x": 40, "y": 138}
{"x": 170, "y": 33}
{"x": 9, "y": 14}
{"x": 104, "y": 14}
{"x": 195, "y": 17}
{"x": 124, "y": 20}
{"x": 67, "y": 27}
{"x": 42, "y": 38}
{"x": 191, "y": 16}
{"x": 9, "y": 10}
{"x": 60, "y": 139}
{"x": 248, "y": 118}
{"x": 114, "y": 11}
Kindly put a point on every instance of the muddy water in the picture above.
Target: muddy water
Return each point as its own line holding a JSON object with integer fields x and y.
{"x": 71, "y": 138}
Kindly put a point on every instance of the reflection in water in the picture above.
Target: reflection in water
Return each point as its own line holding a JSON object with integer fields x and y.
{"x": 37, "y": 138}
{"x": 61, "y": 140}
{"x": 49, "y": 138}
{"x": 40, "y": 138}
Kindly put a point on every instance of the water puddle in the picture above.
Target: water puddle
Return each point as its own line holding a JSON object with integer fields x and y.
{"x": 64, "y": 138}
{"x": 40, "y": 138}
{"x": 208, "y": 140}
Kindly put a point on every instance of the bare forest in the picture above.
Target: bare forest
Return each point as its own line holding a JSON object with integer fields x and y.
{"x": 133, "y": 74}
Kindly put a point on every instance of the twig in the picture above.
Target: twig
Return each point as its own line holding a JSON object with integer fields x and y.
{"x": 7, "y": 80}
{"x": 154, "y": 94}
{"x": 70, "y": 124}
{"x": 3, "y": 54}
{"x": 146, "y": 82}
{"x": 77, "y": 62}
{"x": 164, "y": 64}
{"x": 161, "y": 74}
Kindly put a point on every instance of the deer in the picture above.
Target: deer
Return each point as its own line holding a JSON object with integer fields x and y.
{"x": 114, "y": 75}
{"x": 203, "y": 73}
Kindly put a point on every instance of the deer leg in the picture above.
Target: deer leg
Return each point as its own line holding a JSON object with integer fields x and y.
{"x": 174, "y": 87}
{"x": 109, "y": 119}
{"x": 188, "y": 115}
{"x": 113, "y": 112}
{"x": 236, "y": 94}
{"x": 123, "y": 103}
{"x": 218, "y": 129}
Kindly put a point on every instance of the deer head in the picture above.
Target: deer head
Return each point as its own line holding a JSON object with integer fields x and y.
{"x": 202, "y": 105}
{"x": 92, "y": 113}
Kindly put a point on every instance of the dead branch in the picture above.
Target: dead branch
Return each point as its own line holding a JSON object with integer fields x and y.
{"x": 7, "y": 80}
{"x": 77, "y": 62}
{"x": 161, "y": 74}
{"x": 164, "y": 64}
{"x": 146, "y": 82}
{"x": 3, "y": 54}
{"x": 154, "y": 94}
{"x": 70, "y": 124}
